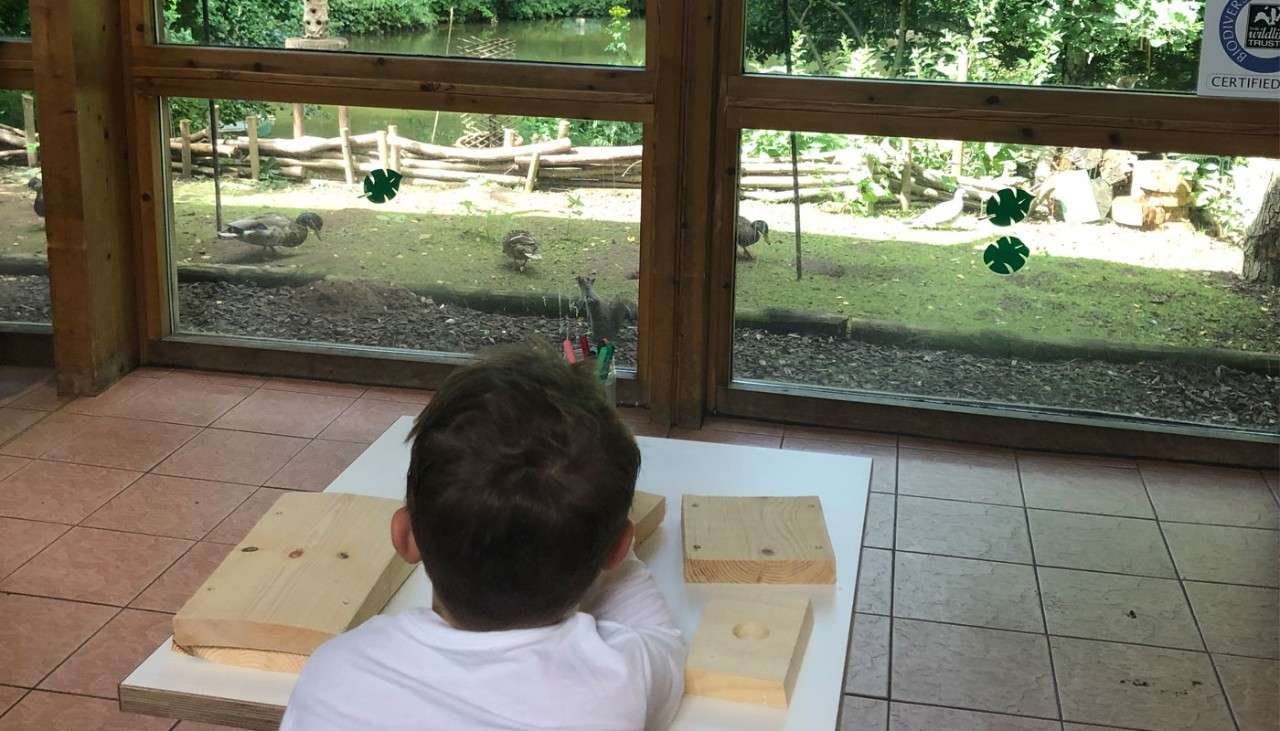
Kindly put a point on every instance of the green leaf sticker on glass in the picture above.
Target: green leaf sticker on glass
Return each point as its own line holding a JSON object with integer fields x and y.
{"x": 1007, "y": 255}
{"x": 1009, "y": 206}
{"x": 381, "y": 186}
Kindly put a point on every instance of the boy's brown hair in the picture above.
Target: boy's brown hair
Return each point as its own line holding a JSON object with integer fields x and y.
{"x": 519, "y": 485}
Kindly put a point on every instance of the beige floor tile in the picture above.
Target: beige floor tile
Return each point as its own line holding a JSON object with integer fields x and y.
{"x": 320, "y": 388}
{"x": 8, "y": 696}
{"x": 957, "y": 476}
{"x": 214, "y": 377}
{"x": 92, "y": 565}
{"x": 177, "y": 507}
{"x": 241, "y": 521}
{"x": 129, "y": 444}
{"x": 1119, "y": 608}
{"x": 721, "y": 436}
{"x": 22, "y": 539}
{"x": 966, "y": 591}
{"x": 1240, "y": 620}
{"x": 223, "y": 455}
{"x": 176, "y": 585}
{"x": 1195, "y": 494}
{"x": 863, "y": 714}
{"x": 111, "y": 654}
{"x": 42, "y": 396}
{"x": 972, "y": 667}
{"x": 194, "y": 726}
{"x": 879, "y": 523}
{"x": 875, "y": 582}
{"x": 366, "y": 420}
{"x": 43, "y": 711}
{"x": 912, "y": 717}
{"x": 1230, "y": 555}
{"x": 9, "y": 465}
{"x": 867, "y": 669}
{"x": 173, "y": 400}
{"x": 832, "y": 434}
{"x": 884, "y": 458}
{"x": 60, "y": 492}
{"x": 38, "y": 633}
{"x": 1253, "y": 690}
{"x": 1099, "y": 543}
{"x": 744, "y": 426}
{"x": 971, "y": 530}
{"x": 1091, "y": 727}
{"x": 1064, "y": 484}
{"x": 316, "y": 466}
{"x": 940, "y": 445}
{"x": 403, "y": 395}
{"x": 1141, "y": 687}
{"x": 14, "y": 421}
{"x": 287, "y": 413}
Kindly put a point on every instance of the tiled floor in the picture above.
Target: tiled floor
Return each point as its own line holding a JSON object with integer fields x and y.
{"x": 1001, "y": 591}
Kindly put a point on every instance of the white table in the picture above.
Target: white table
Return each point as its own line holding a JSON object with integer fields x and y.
{"x": 178, "y": 686}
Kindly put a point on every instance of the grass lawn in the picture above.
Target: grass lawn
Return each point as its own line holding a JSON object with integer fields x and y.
{"x": 943, "y": 287}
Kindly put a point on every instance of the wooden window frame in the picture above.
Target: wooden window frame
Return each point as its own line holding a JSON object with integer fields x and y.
{"x": 648, "y": 94}
{"x": 1017, "y": 114}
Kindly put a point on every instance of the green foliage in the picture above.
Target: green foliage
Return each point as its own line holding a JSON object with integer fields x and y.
{"x": 777, "y": 143}
{"x": 591, "y": 132}
{"x": 362, "y": 17}
{"x": 15, "y": 19}
{"x": 619, "y": 28}
{"x": 1219, "y": 203}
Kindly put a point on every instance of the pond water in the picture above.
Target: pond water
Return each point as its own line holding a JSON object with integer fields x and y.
{"x": 567, "y": 40}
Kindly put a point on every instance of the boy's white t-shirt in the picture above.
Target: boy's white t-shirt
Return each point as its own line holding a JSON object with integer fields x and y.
{"x": 615, "y": 665}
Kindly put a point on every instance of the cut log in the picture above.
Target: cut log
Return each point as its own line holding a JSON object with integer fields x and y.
{"x": 29, "y": 129}
{"x": 1158, "y": 176}
{"x": 184, "y": 130}
{"x": 551, "y": 147}
{"x": 582, "y": 155}
{"x": 785, "y": 182}
{"x": 348, "y": 166}
{"x": 1074, "y": 194}
{"x": 251, "y": 126}
{"x": 1127, "y": 210}
{"x": 531, "y": 178}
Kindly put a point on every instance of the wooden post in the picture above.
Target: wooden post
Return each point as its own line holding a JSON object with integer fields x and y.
{"x": 77, "y": 53}
{"x": 29, "y": 125}
{"x": 383, "y": 160}
{"x": 532, "y": 179}
{"x": 184, "y": 129}
{"x": 908, "y": 176}
{"x": 299, "y": 126}
{"x": 344, "y": 117}
{"x": 508, "y": 137}
{"x": 393, "y": 137}
{"x": 348, "y": 165}
{"x": 251, "y": 125}
{"x": 562, "y": 130}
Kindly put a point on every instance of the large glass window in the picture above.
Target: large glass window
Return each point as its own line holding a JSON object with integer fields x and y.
{"x": 503, "y": 228}
{"x": 24, "y": 278}
{"x": 1140, "y": 293}
{"x": 609, "y": 32}
{"x": 1116, "y": 44}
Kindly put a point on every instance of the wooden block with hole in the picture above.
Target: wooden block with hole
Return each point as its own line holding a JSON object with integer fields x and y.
{"x": 315, "y": 565}
{"x": 749, "y": 651}
{"x": 756, "y": 540}
{"x": 647, "y": 512}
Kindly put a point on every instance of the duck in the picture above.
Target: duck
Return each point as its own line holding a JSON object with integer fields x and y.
{"x": 750, "y": 232}
{"x": 521, "y": 247}
{"x": 38, "y": 186}
{"x": 270, "y": 230}
{"x": 943, "y": 213}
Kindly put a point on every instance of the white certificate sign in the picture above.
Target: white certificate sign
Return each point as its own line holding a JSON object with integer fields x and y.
{"x": 1240, "y": 51}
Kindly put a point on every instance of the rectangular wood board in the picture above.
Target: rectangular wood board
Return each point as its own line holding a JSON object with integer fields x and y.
{"x": 647, "y": 512}
{"x": 315, "y": 565}
{"x": 749, "y": 651}
{"x": 756, "y": 540}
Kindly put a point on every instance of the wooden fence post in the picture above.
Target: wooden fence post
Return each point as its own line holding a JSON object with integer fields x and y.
{"x": 562, "y": 130}
{"x": 251, "y": 125}
{"x": 348, "y": 165}
{"x": 299, "y": 126}
{"x": 508, "y": 137}
{"x": 382, "y": 149}
{"x": 29, "y": 125}
{"x": 184, "y": 129}
{"x": 344, "y": 117}
{"x": 393, "y": 134}
{"x": 532, "y": 178}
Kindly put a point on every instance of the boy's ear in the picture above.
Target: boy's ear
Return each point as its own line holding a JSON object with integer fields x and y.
{"x": 402, "y": 537}
{"x": 620, "y": 551}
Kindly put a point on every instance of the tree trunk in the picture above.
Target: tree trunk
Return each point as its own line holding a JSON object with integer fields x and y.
{"x": 1262, "y": 241}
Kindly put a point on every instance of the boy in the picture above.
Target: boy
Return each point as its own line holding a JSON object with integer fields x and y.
{"x": 519, "y": 485}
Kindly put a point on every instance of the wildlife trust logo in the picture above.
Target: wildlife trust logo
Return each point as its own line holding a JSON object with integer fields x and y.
{"x": 1262, "y": 29}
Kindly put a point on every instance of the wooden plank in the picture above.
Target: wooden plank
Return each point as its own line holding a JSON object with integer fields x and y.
{"x": 647, "y": 512}
{"x": 756, "y": 540}
{"x": 749, "y": 651}
{"x": 77, "y": 53}
{"x": 276, "y": 662}
{"x": 313, "y": 567}
{"x": 29, "y": 128}
{"x": 531, "y": 177}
